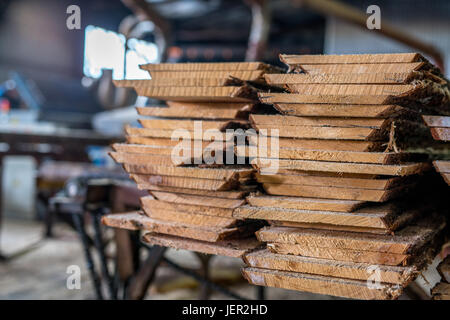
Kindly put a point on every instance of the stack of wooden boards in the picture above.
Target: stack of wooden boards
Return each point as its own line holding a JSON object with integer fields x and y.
{"x": 349, "y": 203}
{"x": 440, "y": 129}
{"x": 192, "y": 200}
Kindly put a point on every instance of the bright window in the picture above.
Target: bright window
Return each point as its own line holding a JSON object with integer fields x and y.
{"x": 139, "y": 52}
{"x": 106, "y": 50}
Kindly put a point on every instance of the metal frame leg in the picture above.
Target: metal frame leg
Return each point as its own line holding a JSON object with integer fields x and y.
{"x": 205, "y": 290}
{"x": 260, "y": 293}
{"x": 49, "y": 217}
{"x": 98, "y": 241}
{"x": 140, "y": 282}
{"x": 79, "y": 225}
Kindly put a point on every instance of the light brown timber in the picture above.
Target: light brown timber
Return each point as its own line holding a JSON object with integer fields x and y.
{"x": 325, "y": 267}
{"x": 146, "y": 181}
{"x": 340, "y": 193}
{"x": 216, "y": 202}
{"x": 393, "y": 58}
{"x": 189, "y": 208}
{"x": 355, "y": 219}
{"x": 191, "y": 219}
{"x": 340, "y": 110}
{"x": 343, "y": 78}
{"x": 361, "y": 168}
{"x": 230, "y": 248}
{"x": 300, "y": 203}
{"x": 136, "y": 220}
{"x": 320, "y": 284}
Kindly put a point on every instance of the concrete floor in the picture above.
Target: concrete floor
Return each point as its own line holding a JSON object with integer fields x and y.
{"x": 41, "y": 273}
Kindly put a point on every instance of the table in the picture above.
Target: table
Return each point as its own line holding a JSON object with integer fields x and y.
{"x": 131, "y": 277}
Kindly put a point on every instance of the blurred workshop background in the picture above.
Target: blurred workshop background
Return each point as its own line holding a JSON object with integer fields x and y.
{"x": 59, "y": 111}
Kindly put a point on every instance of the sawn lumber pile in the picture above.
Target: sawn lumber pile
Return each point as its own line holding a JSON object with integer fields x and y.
{"x": 353, "y": 212}
{"x": 440, "y": 129}
{"x": 191, "y": 200}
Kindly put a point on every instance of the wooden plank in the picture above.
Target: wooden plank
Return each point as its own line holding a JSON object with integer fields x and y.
{"x": 322, "y": 226}
{"x": 206, "y": 66}
{"x": 193, "y": 146}
{"x": 128, "y": 221}
{"x": 146, "y": 182}
{"x": 166, "y": 124}
{"x": 256, "y": 75}
{"x": 330, "y": 181}
{"x": 201, "y": 94}
{"x": 216, "y": 202}
{"x": 340, "y": 193}
{"x": 353, "y": 89}
{"x": 326, "y": 155}
{"x": 198, "y": 110}
{"x": 359, "y": 256}
{"x": 340, "y": 110}
{"x": 342, "y": 78}
{"x": 165, "y": 142}
{"x": 379, "y": 219}
{"x": 276, "y": 98}
{"x": 300, "y": 203}
{"x": 154, "y": 133}
{"x": 150, "y": 203}
{"x": 330, "y": 133}
{"x": 329, "y": 174}
{"x": 210, "y": 135}
{"x": 437, "y": 121}
{"x": 235, "y": 194}
{"x": 136, "y": 221}
{"x": 326, "y": 267}
{"x": 442, "y": 166}
{"x": 225, "y": 173}
{"x": 154, "y": 159}
{"x": 391, "y": 219}
{"x": 161, "y": 156}
{"x": 183, "y": 151}
{"x": 442, "y": 134}
{"x": 361, "y": 168}
{"x": 190, "y": 125}
{"x": 317, "y": 144}
{"x": 356, "y": 219}
{"x": 162, "y": 142}
{"x": 137, "y": 148}
{"x": 420, "y": 236}
{"x": 360, "y": 68}
{"x": 348, "y": 288}
{"x": 231, "y": 248}
{"x": 211, "y": 106}
{"x": 281, "y": 120}
{"x": 176, "y": 82}
{"x": 399, "y": 243}
{"x": 186, "y": 218}
{"x": 351, "y": 58}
